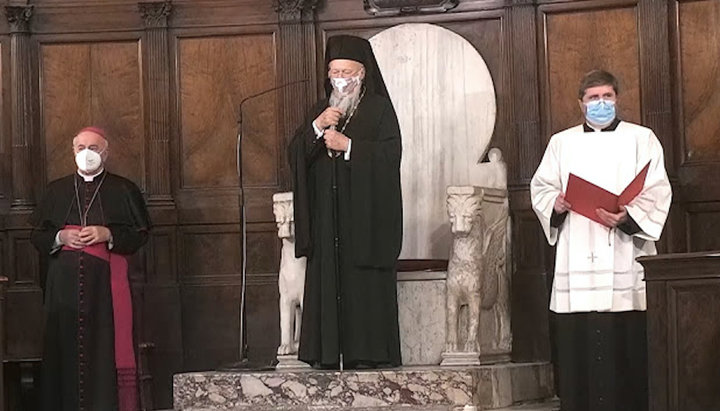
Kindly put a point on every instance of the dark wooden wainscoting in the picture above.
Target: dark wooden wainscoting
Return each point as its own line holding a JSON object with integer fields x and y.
{"x": 166, "y": 79}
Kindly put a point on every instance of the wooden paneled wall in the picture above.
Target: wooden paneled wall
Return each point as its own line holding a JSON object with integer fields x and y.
{"x": 167, "y": 79}
{"x": 696, "y": 64}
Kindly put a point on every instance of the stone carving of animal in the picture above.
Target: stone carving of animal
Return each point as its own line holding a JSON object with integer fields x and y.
{"x": 477, "y": 260}
{"x": 291, "y": 281}
{"x": 464, "y": 283}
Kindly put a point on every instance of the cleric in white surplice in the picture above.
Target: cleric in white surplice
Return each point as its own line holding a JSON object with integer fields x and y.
{"x": 598, "y": 292}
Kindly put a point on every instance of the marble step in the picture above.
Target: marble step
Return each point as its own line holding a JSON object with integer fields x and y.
{"x": 490, "y": 387}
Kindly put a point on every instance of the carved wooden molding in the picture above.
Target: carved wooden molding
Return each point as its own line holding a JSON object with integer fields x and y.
{"x": 21, "y": 99}
{"x": 155, "y": 13}
{"x": 157, "y": 101}
{"x": 395, "y": 7}
{"x": 19, "y": 18}
{"x": 294, "y": 6}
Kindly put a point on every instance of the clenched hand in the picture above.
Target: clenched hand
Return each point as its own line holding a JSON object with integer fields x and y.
{"x": 329, "y": 117}
{"x": 89, "y": 235}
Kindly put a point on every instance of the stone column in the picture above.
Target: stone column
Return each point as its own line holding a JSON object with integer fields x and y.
{"x": 157, "y": 100}
{"x": 21, "y": 102}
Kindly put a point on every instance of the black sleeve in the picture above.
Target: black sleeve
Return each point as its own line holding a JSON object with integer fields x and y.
{"x": 304, "y": 147}
{"x": 126, "y": 239}
{"x": 131, "y": 233}
{"x": 629, "y": 227}
{"x": 303, "y": 150}
{"x": 43, "y": 238}
{"x": 375, "y": 191}
{"x": 556, "y": 219}
{"x": 44, "y": 230}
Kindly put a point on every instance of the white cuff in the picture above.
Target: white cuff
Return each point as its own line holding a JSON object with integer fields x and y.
{"x": 57, "y": 244}
{"x": 318, "y": 133}
{"x": 346, "y": 156}
{"x": 110, "y": 242}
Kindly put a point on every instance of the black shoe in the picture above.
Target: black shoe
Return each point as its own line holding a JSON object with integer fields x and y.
{"x": 319, "y": 366}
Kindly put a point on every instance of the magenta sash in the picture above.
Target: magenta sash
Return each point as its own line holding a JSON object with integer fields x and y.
{"x": 123, "y": 322}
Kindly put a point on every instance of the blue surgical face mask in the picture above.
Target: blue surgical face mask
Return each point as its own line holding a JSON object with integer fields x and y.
{"x": 600, "y": 112}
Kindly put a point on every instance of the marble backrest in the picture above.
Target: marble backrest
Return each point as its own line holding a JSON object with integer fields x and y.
{"x": 445, "y": 100}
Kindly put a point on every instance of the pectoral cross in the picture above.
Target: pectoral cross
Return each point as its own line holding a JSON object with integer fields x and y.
{"x": 592, "y": 257}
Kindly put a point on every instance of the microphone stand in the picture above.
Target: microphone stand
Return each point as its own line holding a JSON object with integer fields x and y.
{"x": 243, "y": 362}
{"x": 336, "y": 251}
{"x": 243, "y": 233}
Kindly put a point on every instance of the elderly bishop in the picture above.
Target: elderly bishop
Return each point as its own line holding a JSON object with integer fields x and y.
{"x": 346, "y": 164}
{"x": 86, "y": 225}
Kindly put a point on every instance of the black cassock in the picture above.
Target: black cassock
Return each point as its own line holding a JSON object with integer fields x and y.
{"x": 602, "y": 360}
{"x": 79, "y": 371}
{"x": 370, "y": 238}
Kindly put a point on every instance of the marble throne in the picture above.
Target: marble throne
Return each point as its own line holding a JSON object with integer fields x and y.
{"x": 445, "y": 100}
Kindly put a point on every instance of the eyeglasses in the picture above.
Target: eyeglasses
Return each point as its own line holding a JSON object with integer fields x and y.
{"x": 342, "y": 73}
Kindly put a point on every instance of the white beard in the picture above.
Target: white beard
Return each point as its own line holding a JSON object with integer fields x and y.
{"x": 345, "y": 101}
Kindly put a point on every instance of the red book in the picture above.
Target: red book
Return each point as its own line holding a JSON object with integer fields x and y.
{"x": 585, "y": 197}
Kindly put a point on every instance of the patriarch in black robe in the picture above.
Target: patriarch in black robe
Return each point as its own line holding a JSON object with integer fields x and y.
{"x": 353, "y": 308}
{"x": 85, "y": 225}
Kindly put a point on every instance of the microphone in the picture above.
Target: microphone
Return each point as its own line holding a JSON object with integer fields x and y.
{"x": 238, "y": 147}
{"x": 243, "y": 363}
{"x": 270, "y": 90}
{"x": 332, "y": 153}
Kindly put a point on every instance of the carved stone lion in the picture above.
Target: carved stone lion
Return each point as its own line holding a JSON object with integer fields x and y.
{"x": 477, "y": 261}
{"x": 464, "y": 283}
{"x": 291, "y": 281}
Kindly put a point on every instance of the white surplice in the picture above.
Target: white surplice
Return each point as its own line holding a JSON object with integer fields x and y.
{"x": 595, "y": 267}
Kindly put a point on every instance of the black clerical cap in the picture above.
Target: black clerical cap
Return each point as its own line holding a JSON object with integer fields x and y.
{"x": 358, "y": 49}
{"x": 348, "y": 48}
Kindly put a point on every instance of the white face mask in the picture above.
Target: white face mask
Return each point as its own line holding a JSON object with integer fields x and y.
{"x": 341, "y": 84}
{"x": 88, "y": 161}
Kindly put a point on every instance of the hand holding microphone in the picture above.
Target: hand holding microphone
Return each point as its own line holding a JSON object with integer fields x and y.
{"x": 329, "y": 118}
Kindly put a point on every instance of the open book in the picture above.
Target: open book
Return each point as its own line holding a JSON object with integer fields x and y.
{"x": 585, "y": 197}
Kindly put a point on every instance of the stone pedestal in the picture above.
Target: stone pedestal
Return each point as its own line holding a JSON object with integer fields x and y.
{"x": 457, "y": 359}
{"x": 409, "y": 388}
{"x": 421, "y": 314}
{"x": 290, "y": 362}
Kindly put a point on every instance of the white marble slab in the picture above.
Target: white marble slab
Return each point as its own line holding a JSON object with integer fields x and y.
{"x": 409, "y": 388}
{"x": 445, "y": 100}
